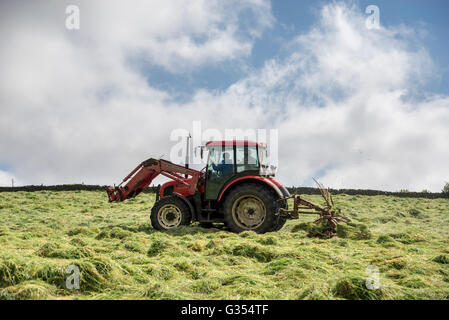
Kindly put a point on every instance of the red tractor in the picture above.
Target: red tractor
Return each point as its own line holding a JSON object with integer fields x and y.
{"x": 236, "y": 188}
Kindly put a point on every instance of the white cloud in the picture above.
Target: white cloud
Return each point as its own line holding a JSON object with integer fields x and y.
{"x": 347, "y": 117}
{"x": 72, "y": 107}
{"x": 74, "y": 110}
{"x": 6, "y": 179}
{"x": 178, "y": 35}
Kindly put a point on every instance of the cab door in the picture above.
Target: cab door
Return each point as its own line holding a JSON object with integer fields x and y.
{"x": 220, "y": 168}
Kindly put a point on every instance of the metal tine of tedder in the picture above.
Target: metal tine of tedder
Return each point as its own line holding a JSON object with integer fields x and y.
{"x": 329, "y": 212}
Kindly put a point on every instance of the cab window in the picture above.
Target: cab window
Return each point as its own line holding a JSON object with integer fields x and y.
{"x": 246, "y": 157}
{"x": 221, "y": 162}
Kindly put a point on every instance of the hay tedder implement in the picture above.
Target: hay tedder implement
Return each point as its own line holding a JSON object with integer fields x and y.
{"x": 328, "y": 213}
{"x": 236, "y": 187}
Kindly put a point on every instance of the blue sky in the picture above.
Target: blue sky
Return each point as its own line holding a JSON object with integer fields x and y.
{"x": 354, "y": 107}
{"x": 295, "y": 17}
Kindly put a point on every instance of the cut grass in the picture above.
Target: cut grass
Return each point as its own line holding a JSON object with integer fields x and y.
{"x": 120, "y": 256}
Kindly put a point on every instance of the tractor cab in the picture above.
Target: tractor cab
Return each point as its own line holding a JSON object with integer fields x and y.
{"x": 229, "y": 160}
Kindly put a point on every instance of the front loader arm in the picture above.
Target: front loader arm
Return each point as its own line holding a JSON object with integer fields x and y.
{"x": 142, "y": 176}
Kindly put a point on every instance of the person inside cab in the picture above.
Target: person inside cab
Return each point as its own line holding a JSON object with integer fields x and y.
{"x": 225, "y": 167}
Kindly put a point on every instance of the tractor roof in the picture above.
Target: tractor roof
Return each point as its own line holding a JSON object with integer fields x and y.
{"x": 234, "y": 143}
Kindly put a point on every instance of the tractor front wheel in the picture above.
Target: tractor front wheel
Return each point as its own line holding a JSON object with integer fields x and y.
{"x": 250, "y": 207}
{"x": 168, "y": 213}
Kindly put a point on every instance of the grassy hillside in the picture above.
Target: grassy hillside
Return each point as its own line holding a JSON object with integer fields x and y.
{"x": 121, "y": 256}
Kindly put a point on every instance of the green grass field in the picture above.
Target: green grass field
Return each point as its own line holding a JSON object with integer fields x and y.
{"x": 120, "y": 256}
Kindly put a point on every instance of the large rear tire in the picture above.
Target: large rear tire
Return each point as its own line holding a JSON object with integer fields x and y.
{"x": 169, "y": 212}
{"x": 281, "y": 220}
{"x": 250, "y": 207}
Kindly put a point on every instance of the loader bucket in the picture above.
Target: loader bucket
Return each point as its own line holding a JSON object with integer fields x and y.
{"x": 114, "y": 194}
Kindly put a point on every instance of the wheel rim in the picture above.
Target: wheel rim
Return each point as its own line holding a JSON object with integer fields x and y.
{"x": 249, "y": 212}
{"x": 169, "y": 216}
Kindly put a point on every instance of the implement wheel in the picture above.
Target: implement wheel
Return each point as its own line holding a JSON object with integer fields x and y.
{"x": 168, "y": 213}
{"x": 250, "y": 207}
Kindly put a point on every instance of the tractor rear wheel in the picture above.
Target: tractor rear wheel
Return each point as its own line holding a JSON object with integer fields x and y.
{"x": 281, "y": 220}
{"x": 250, "y": 207}
{"x": 168, "y": 213}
